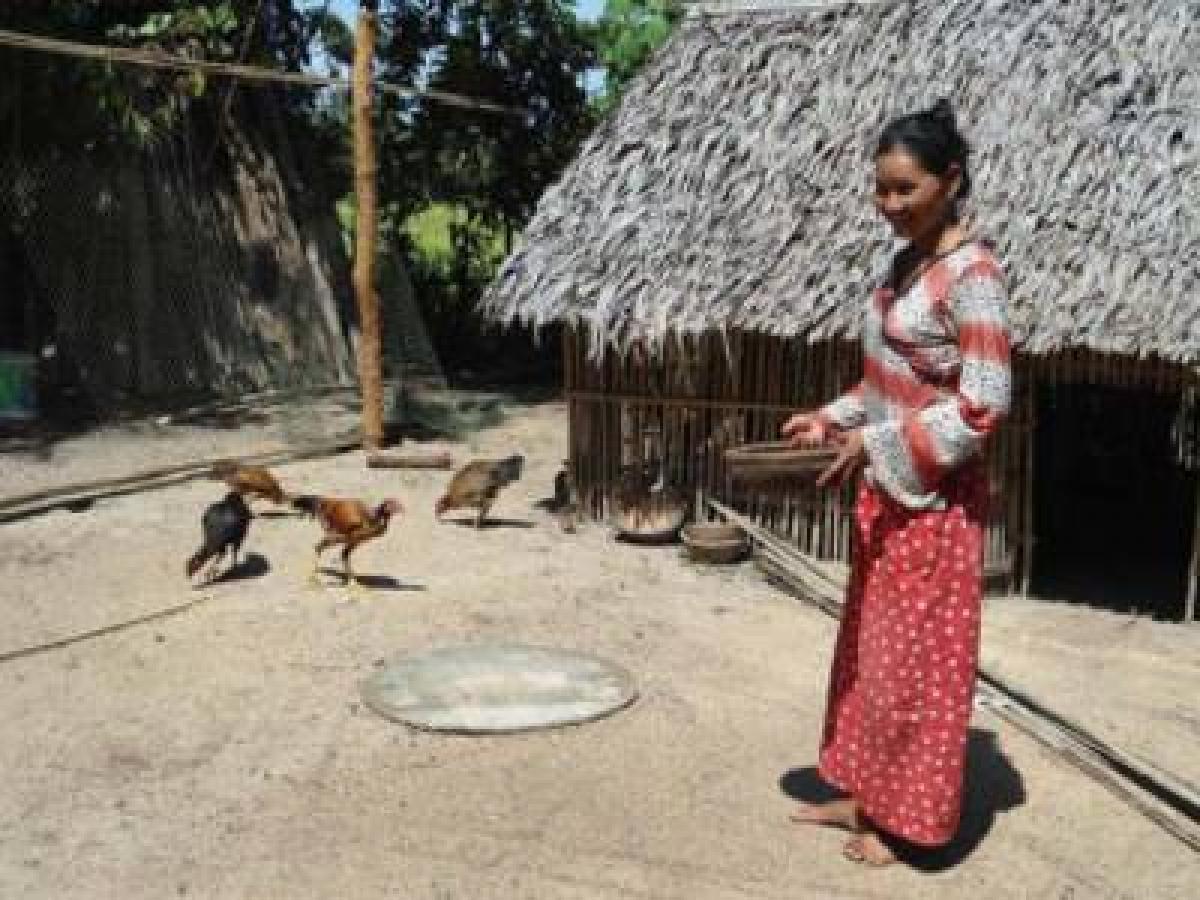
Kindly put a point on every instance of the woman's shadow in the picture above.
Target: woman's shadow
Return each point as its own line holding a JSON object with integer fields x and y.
{"x": 993, "y": 785}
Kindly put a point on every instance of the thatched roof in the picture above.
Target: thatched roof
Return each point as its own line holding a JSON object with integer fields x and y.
{"x": 732, "y": 187}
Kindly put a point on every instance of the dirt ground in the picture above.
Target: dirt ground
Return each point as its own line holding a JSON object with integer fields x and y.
{"x": 222, "y": 751}
{"x": 30, "y": 463}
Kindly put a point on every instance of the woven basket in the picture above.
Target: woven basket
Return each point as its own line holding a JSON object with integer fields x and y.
{"x": 773, "y": 460}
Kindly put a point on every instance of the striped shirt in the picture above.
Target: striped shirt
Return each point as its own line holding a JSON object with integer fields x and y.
{"x": 936, "y": 375}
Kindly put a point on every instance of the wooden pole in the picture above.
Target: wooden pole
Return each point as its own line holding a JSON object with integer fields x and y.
{"x": 370, "y": 365}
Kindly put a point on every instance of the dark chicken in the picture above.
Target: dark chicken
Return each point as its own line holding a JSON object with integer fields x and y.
{"x": 348, "y": 523}
{"x": 564, "y": 505}
{"x": 477, "y": 484}
{"x": 224, "y": 525}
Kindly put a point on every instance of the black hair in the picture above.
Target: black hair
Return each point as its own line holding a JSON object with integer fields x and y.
{"x": 933, "y": 138}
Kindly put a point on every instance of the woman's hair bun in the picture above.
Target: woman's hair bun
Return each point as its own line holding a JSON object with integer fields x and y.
{"x": 942, "y": 112}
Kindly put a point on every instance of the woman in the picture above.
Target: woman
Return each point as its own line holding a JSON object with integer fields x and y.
{"x": 935, "y": 384}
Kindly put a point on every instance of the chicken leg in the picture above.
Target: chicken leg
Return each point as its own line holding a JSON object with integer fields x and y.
{"x": 313, "y": 580}
{"x": 322, "y": 545}
{"x": 352, "y": 583}
{"x": 211, "y": 572}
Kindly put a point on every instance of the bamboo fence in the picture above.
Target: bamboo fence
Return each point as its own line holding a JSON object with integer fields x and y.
{"x": 680, "y": 408}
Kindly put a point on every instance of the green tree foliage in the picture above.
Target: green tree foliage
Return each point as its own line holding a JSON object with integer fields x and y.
{"x": 628, "y": 32}
{"x": 67, "y": 101}
{"x": 528, "y": 56}
{"x": 463, "y": 180}
{"x": 480, "y": 172}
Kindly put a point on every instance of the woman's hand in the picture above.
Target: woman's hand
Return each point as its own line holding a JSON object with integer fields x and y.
{"x": 804, "y": 430}
{"x": 851, "y": 457}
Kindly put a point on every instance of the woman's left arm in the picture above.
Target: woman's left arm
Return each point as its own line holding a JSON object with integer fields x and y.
{"x": 909, "y": 458}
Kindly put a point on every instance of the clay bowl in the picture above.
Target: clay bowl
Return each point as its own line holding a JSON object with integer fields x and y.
{"x": 713, "y": 542}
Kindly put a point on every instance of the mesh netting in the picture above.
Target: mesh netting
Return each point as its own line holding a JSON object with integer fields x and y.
{"x": 197, "y": 285}
{"x": 185, "y": 300}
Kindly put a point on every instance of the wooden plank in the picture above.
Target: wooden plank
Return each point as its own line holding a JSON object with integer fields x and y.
{"x": 410, "y": 461}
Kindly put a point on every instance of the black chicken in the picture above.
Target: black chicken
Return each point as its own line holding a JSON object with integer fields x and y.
{"x": 225, "y": 524}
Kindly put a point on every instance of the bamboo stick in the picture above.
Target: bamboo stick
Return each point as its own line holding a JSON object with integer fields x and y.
{"x": 610, "y": 456}
{"x": 597, "y": 447}
{"x": 1172, "y": 790}
{"x": 754, "y": 385}
{"x": 777, "y": 372}
{"x": 829, "y": 547}
{"x": 20, "y": 507}
{"x": 589, "y": 370}
{"x": 1087, "y": 762}
{"x": 1029, "y": 400}
{"x": 806, "y": 386}
{"x": 788, "y": 387}
{"x": 572, "y": 409}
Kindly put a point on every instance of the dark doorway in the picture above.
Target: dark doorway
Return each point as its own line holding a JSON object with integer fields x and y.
{"x": 15, "y": 325}
{"x": 1114, "y": 502}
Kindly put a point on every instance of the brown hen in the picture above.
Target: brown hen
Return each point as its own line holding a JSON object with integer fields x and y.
{"x": 477, "y": 484}
{"x": 249, "y": 481}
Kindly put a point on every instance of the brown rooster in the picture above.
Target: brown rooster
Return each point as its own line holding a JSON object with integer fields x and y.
{"x": 249, "y": 481}
{"x": 346, "y": 522}
{"x": 477, "y": 484}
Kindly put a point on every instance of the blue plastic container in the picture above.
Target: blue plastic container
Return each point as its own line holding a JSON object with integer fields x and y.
{"x": 18, "y": 379}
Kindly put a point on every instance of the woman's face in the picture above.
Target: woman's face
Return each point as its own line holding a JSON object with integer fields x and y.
{"x": 914, "y": 201}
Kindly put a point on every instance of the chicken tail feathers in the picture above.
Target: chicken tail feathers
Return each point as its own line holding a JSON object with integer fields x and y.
{"x": 222, "y": 468}
{"x": 199, "y": 558}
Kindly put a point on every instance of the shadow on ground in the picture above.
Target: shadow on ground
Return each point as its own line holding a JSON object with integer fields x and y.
{"x": 370, "y": 582}
{"x": 993, "y": 785}
{"x": 252, "y": 565}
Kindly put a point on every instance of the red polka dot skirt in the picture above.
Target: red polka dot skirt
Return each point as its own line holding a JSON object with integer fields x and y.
{"x": 903, "y": 673}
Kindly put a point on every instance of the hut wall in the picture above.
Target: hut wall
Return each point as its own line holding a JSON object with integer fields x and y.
{"x": 699, "y": 395}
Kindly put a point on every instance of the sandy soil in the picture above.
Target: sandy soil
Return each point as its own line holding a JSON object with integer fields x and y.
{"x": 1127, "y": 679}
{"x": 223, "y": 751}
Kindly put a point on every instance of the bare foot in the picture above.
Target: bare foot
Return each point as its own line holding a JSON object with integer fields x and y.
{"x": 869, "y": 849}
{"x": 836, "y": 813}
